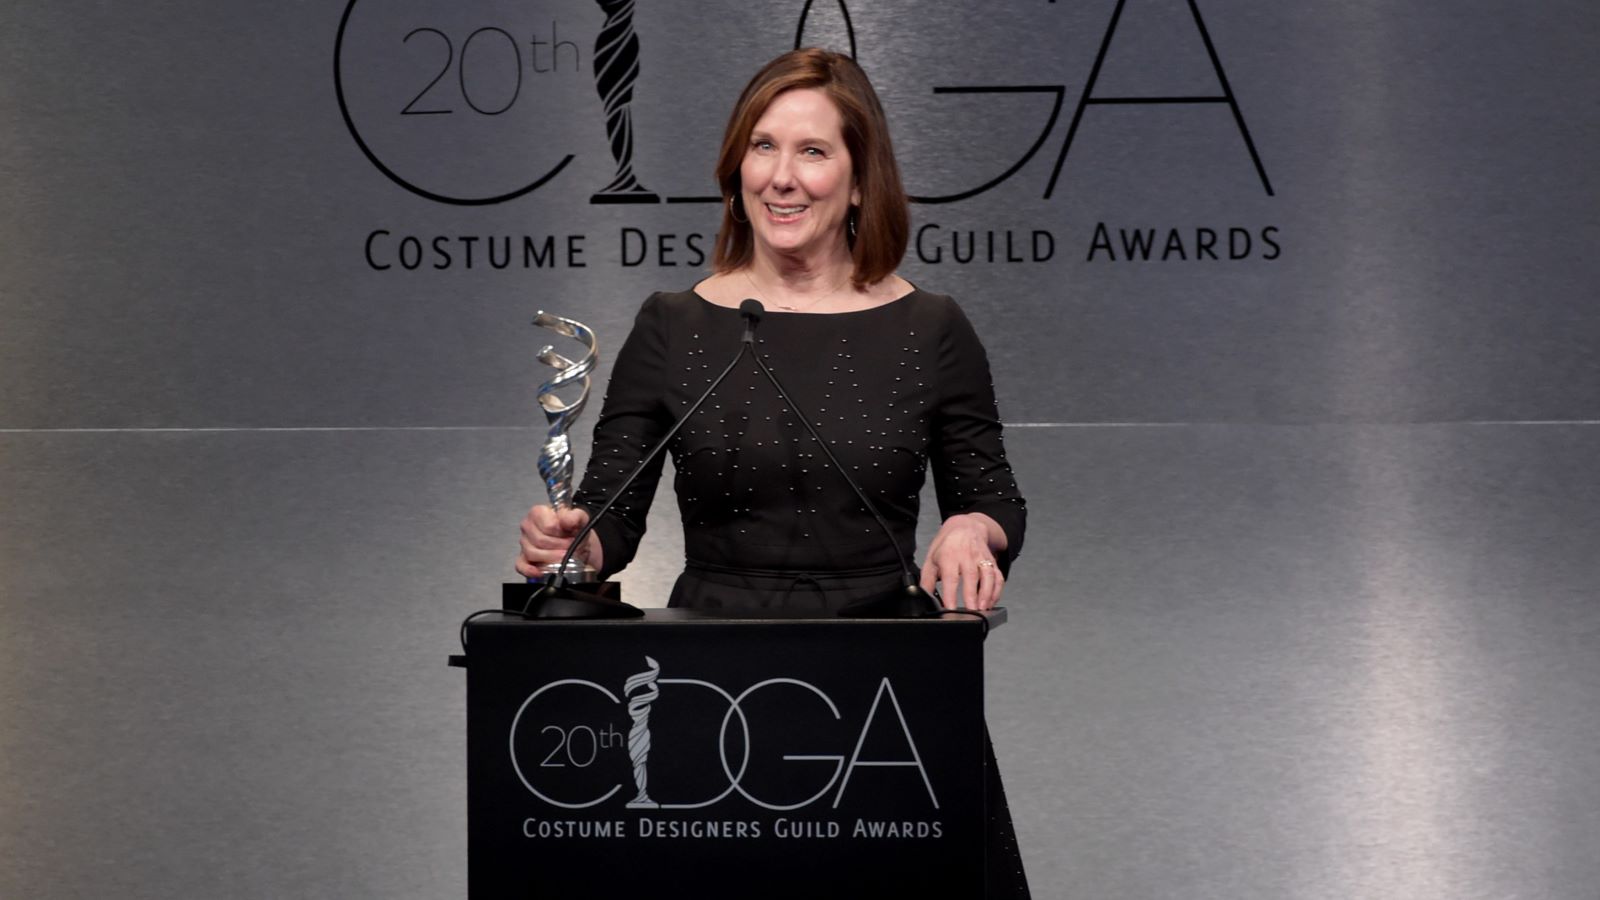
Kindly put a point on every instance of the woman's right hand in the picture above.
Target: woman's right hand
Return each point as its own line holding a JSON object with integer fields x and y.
{"x": 546, "y": 535}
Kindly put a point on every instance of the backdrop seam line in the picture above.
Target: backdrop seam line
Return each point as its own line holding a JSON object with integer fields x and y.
{"x": 385, "y": 428}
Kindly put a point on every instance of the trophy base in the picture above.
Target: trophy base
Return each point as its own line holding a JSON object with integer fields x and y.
{"x": 577, "y": 572}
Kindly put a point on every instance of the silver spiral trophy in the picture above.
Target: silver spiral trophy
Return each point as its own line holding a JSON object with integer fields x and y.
{"x": 555, "y": 458}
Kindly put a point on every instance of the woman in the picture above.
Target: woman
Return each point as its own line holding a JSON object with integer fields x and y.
{"x": 814, "y": 224}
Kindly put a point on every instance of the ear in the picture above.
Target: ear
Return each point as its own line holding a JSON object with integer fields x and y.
{"x": 855, "y": 194}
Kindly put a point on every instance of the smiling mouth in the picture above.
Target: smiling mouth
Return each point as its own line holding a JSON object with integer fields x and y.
{"x": 785, "y": 213}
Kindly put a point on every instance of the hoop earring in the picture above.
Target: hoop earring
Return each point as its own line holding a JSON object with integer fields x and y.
{"x": 733, "y": 215}
{"x": 850, "y": 222}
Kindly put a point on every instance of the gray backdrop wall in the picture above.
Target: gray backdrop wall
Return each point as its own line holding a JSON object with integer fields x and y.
{"x": 1292, "y": 312}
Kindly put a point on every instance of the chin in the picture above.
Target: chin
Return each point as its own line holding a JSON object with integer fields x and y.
{"x": 791, "y": 242}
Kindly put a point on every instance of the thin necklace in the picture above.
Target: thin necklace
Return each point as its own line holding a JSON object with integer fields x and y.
{"x": 785, "y": 307}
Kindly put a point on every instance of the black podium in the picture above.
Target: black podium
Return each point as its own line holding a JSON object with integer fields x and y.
{"x": 688, "y": 754}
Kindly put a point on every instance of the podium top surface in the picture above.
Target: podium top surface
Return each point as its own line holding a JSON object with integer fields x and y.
{"x": 662, "y": 617}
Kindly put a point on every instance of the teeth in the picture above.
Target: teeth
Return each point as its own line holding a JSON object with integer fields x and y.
{"x": 786, "y": 210}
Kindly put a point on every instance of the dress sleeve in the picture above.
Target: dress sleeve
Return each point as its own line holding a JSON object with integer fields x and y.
{"x": 633, "y": 417}
{"x": 970, "y": 471}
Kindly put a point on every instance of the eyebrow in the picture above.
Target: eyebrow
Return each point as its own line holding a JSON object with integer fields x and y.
{"x": 758, "y": 135}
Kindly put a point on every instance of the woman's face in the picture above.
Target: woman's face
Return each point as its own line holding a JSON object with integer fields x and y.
{"x": 796, "y": 178}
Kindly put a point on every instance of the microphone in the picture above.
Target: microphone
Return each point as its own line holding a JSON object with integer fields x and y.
{"x": 752, "y": 311}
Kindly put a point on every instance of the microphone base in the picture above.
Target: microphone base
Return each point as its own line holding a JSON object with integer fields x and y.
{"x": 592, "y": 600}
{"x": 902, "y": 603}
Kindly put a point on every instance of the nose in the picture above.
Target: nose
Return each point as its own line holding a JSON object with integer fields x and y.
{"x": 783, "y": 173}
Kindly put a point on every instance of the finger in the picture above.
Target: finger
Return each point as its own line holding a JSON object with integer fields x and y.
{"x": 540, "y": 522}
{"x": 929, "y": 574}
{"x": 990, "y": 584}
{"x": 546, "y": 518}
{"x": 969, "y": 584}
{"x": 544, "y": 551}
{"x": 573, "y": 520}
{"x": 538, "y": 554}
{"x": 542, "y": 527}
{"x": 947, "y": 587}
{"x": 546, "y": 541}
{"x": 983, "y": 576}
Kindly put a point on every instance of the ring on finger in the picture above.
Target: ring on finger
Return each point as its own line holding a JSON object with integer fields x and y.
{"x": 985, "y": 563}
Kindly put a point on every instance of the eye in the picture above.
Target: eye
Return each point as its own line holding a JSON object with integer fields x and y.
{"x": 814, "y": 152}
{"x": 761, "y": 144}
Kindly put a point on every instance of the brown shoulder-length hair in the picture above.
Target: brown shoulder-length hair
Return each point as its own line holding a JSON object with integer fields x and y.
{"x": 883, "y": 224}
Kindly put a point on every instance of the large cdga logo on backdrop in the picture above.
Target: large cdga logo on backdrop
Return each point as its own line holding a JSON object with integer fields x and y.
{"x": 778, "y": 743}
{"x": 425, "y": 86}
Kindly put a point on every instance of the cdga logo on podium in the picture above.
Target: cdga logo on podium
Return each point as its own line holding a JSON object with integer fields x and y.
{"x": 658, "y": 742}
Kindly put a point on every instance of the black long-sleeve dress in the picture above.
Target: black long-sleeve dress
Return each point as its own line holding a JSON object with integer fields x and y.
{"x": 895, "y": 390}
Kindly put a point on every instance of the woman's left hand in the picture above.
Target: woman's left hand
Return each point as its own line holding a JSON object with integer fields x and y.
{"x": 962, "y": 555}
